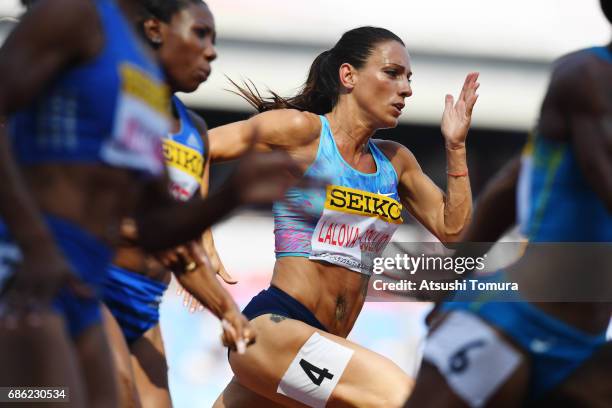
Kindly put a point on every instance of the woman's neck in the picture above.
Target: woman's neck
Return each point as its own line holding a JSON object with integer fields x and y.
{"x": 351, "y": 130}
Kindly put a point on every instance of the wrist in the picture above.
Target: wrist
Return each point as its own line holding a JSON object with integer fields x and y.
{"x": 455, "y": 146}
{"x": 458, "y": 173}
{"x": 227, "y": 308}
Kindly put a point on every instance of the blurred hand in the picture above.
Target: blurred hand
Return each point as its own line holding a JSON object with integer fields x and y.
{"x": 237, "y": 331}
{"x": 189, "y": 301}
{"x": 215, "y": 261}
{"x": 190, "y": 258}
{"x": 262, "y": 178}
{"x": 457, "y": 116}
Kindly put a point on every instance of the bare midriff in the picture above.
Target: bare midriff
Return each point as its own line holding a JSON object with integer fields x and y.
{"x": 97, "y": 198}
{"x": 94, "y": 196}
{"x": 334, "y": 294}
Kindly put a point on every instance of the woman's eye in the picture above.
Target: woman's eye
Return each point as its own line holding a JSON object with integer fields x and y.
{"x": 391, "y": 73}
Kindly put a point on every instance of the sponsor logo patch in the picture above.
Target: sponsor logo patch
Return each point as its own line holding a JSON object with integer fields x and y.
{"x": 184, "y": 158}
{"x": 353, "y": 201}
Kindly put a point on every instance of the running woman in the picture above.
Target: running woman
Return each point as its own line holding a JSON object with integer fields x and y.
{"x": 182, "y": 33}
{"x": 527, "y": 352}
{"x": 326, "y": 239}
{"x": 87, "y": 109}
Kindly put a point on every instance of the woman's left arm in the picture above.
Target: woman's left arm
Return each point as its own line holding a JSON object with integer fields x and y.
{"x": 445, "y": 214}
{"x": 208, "y": 242}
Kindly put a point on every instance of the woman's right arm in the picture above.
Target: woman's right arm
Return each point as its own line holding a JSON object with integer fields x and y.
{"x": 46, "y": 41}
{"x": 277, "y": 129}
{"x": 259, "y": 178}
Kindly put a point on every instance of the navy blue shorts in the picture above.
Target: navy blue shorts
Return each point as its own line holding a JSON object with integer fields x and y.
{"x": 89, "y": 258}
{"x": 273, "y": 300}
{"x": 134, "y": 300}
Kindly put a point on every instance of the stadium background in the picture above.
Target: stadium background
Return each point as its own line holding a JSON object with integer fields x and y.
{"x": 273, "y": 42}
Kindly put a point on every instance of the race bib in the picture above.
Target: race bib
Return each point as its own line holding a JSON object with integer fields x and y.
{"x": 141, "y": 120}
{"x": 185, "y": 167}
{"x": 354, "y": 228}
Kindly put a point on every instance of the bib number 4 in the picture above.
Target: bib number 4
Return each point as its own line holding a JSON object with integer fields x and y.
{"x": 316, "y": 374}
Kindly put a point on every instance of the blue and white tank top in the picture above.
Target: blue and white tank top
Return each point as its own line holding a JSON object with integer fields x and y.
{"x": 113, "y": 109}
{"x": 347, "y": 224}
{"x": 185, "y": 156}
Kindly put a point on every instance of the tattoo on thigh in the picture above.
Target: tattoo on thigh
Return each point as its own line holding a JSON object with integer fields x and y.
{"x": 277, "y": 318}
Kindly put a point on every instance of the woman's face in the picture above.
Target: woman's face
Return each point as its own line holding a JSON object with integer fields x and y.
{"x": 383, "y": 83}
{"x": 188, "y": 47}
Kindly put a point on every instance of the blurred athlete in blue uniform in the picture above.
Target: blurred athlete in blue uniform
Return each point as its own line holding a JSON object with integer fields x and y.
{"x": 517, "y": 353}
{"x": 182, "y": 32}
{"x": 88, "y": 108}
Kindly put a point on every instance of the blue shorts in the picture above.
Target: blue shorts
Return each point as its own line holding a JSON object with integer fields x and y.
{"x": 89, "y": 258}
{"x": 134, "y": 300}
{"x": 274, "y": 300}
{"x": 555, "y": 348}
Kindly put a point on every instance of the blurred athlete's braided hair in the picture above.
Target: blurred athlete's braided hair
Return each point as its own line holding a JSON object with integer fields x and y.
{"x": 320, "y": 92}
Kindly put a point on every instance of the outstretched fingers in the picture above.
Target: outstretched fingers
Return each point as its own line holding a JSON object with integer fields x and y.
{"x": 468, "y": 92}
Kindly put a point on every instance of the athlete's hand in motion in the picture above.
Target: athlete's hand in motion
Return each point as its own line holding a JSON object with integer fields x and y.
{"x": 457, "y": 116}
{"x": 189, "y": 301}
{"x": 262, "y": 178}
{"x": 215, "y": 261}
{"x": 181, "y": 259}
{"x": 237, "y": 331}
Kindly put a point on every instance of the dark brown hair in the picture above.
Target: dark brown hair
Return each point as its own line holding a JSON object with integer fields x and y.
{"x": 320, "y": 92}
{"x": 162, "y": 10}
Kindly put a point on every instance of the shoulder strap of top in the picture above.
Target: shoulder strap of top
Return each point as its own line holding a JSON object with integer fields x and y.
{"x": 181, "y": 109}
{"x": 325, "y": 129}
{"x": 326, "y": 140}
{"x": 380, "y": 158}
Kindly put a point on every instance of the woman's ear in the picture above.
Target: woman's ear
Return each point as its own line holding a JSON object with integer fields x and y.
{"x": 348, "y": 76}
{"x": 152, "y": 30}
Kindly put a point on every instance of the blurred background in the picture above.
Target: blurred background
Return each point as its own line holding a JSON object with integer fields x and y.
{"x": 273, "y": 42}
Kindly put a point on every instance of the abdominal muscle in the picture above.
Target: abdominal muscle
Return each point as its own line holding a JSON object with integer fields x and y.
{"x": 334, "y": 294}
{"x": 93, "y": 196}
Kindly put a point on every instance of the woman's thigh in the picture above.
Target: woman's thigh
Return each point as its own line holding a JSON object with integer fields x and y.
{"x": 39, "y": 353}
{"x": 122, "y": 358}
{"x": 98, "y": 367}
{"x": 466, "y": 363}
{"x": 151, "y": 369}
{"x": 294, "y": 363}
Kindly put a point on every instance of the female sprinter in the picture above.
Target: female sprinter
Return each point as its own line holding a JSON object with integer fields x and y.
{"x": 323, "y": 262}
{"x": 549, "y": 345}
{"x": 182, "y": 32}
{"x": 87, "y": 110}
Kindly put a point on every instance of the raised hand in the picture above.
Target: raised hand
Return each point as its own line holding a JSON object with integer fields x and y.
{"x": 457, "y": 116}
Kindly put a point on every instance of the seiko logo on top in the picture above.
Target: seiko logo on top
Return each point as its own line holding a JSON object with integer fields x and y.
{"x": 350, "y": 200}
{"x": 184, "y": 158}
